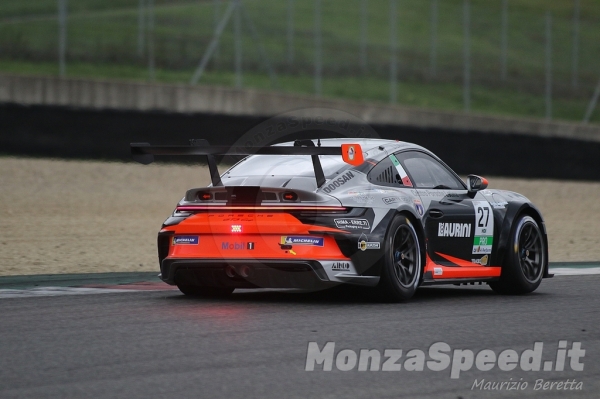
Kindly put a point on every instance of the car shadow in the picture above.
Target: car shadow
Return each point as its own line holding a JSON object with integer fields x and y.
{"x": 351, "y": 295}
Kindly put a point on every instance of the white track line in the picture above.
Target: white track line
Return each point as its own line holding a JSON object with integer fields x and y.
{"x": 572, "y": 271}
{"x": 58, "y": 291}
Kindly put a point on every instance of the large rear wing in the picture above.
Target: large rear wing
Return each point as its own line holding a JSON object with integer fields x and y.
{"x": 351, "y": 153}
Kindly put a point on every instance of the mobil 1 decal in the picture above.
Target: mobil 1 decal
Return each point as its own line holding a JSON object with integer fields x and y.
{"x": 483, "y": 238}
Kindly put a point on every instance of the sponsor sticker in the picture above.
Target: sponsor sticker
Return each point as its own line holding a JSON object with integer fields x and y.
{"x": 303, "y": 240}
{"x": 352, "y": 224}
{"x": 419, "y": 206}
{"x": 483, "y": 261}
{"x": 236, "y": 246}
{"x": 363, "y": 244}
{"x": 483, "y": 244}
{"x": 484, "y": 228}
{"x": 351, "y": 153}
{"x": 454, "y": 230}
{"x": 344, "y": 266}
{"x": 438, "y": 271}
{"x": 499, "y": 205}
{"x": 370, "y": 191}
{"x": 390, "y": 200}
{"x": 186, "y": 240}
{"x": 338, "y": 182}
{"x": 363, "y": 199}
{"x": 435, "y": 193}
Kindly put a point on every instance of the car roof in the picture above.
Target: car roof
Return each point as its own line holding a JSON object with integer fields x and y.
{"x": 298, "y": 165}
{"x": 375, "y": 148}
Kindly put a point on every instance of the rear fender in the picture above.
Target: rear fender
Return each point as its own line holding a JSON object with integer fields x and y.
{"x": 372, "y": 259}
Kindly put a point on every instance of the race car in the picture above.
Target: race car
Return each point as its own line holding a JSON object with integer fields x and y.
{"x": 311, "y": 214}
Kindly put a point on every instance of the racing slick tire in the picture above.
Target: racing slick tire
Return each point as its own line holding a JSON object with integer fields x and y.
{"x": 525, "y": 261}
{"x": 402, "y": 262}
{"x": 208, "y": 292}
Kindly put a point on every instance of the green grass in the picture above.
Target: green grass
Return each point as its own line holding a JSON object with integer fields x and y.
{"x": 103, "y": 34}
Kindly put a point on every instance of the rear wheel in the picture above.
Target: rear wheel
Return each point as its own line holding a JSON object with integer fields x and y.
{"x": 402, "y": 261}
{"x": 194, "y": 290}
{"x": 525, "y": 261}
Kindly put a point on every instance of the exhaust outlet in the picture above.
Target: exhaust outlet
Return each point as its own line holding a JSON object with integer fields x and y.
{"x": 230, "y": 271}
{"x": 244, "y": 271}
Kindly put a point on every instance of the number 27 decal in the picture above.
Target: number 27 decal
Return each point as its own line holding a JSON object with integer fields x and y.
{"x": 484, "y": 217}
{"x": 484, "y": 228}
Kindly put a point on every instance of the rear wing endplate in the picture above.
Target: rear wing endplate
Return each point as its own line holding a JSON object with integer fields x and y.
{"x": 351, "y": 153}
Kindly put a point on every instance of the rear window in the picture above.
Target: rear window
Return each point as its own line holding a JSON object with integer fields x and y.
{"x": 287, "y": 165}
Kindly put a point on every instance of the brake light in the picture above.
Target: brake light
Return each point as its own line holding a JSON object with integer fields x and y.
{"x": 236, "y": 228}
{"x": 270, "y": 208}
{"x": 290, "y": 196}
{"x": 205, "y": 196}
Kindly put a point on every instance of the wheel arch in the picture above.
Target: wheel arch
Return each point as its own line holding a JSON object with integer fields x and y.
{"x": 513, "y": 213}
{"x": 418, "y": 225}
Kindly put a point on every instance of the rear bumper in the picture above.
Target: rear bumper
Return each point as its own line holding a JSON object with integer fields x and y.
{"x": 260, "y": 273}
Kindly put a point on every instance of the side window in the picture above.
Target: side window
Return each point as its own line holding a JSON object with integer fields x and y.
{"x": 385, "y": 174}
{"x": 426, "y": 172}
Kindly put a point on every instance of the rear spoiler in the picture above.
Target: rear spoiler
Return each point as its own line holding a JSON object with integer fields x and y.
{"x": 351, "y": 154}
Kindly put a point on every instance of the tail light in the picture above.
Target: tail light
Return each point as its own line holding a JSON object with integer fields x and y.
{"x": 204, "y": 196}
{"x": 290, "y": 196}
{"x": 270, "y": 208}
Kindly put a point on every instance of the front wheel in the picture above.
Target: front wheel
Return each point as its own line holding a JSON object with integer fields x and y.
{"x": 209, "y": 292}
{"x": 402, "y": 261}
{"x": 525, "y": 261}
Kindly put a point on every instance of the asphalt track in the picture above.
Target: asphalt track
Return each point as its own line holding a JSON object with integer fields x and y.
{"x": 140, "y": 341}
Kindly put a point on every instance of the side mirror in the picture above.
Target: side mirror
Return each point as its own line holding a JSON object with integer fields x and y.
{"x": 476, "y": 183}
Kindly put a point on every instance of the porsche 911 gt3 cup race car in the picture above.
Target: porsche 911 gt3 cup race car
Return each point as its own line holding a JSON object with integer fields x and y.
{"x": 314, "y": 213}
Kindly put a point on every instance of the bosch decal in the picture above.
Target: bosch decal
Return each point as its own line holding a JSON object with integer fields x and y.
{"x": 363, "y": 244}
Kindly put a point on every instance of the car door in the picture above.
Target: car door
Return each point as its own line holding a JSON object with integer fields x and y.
{"x": 457, "y": 227}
